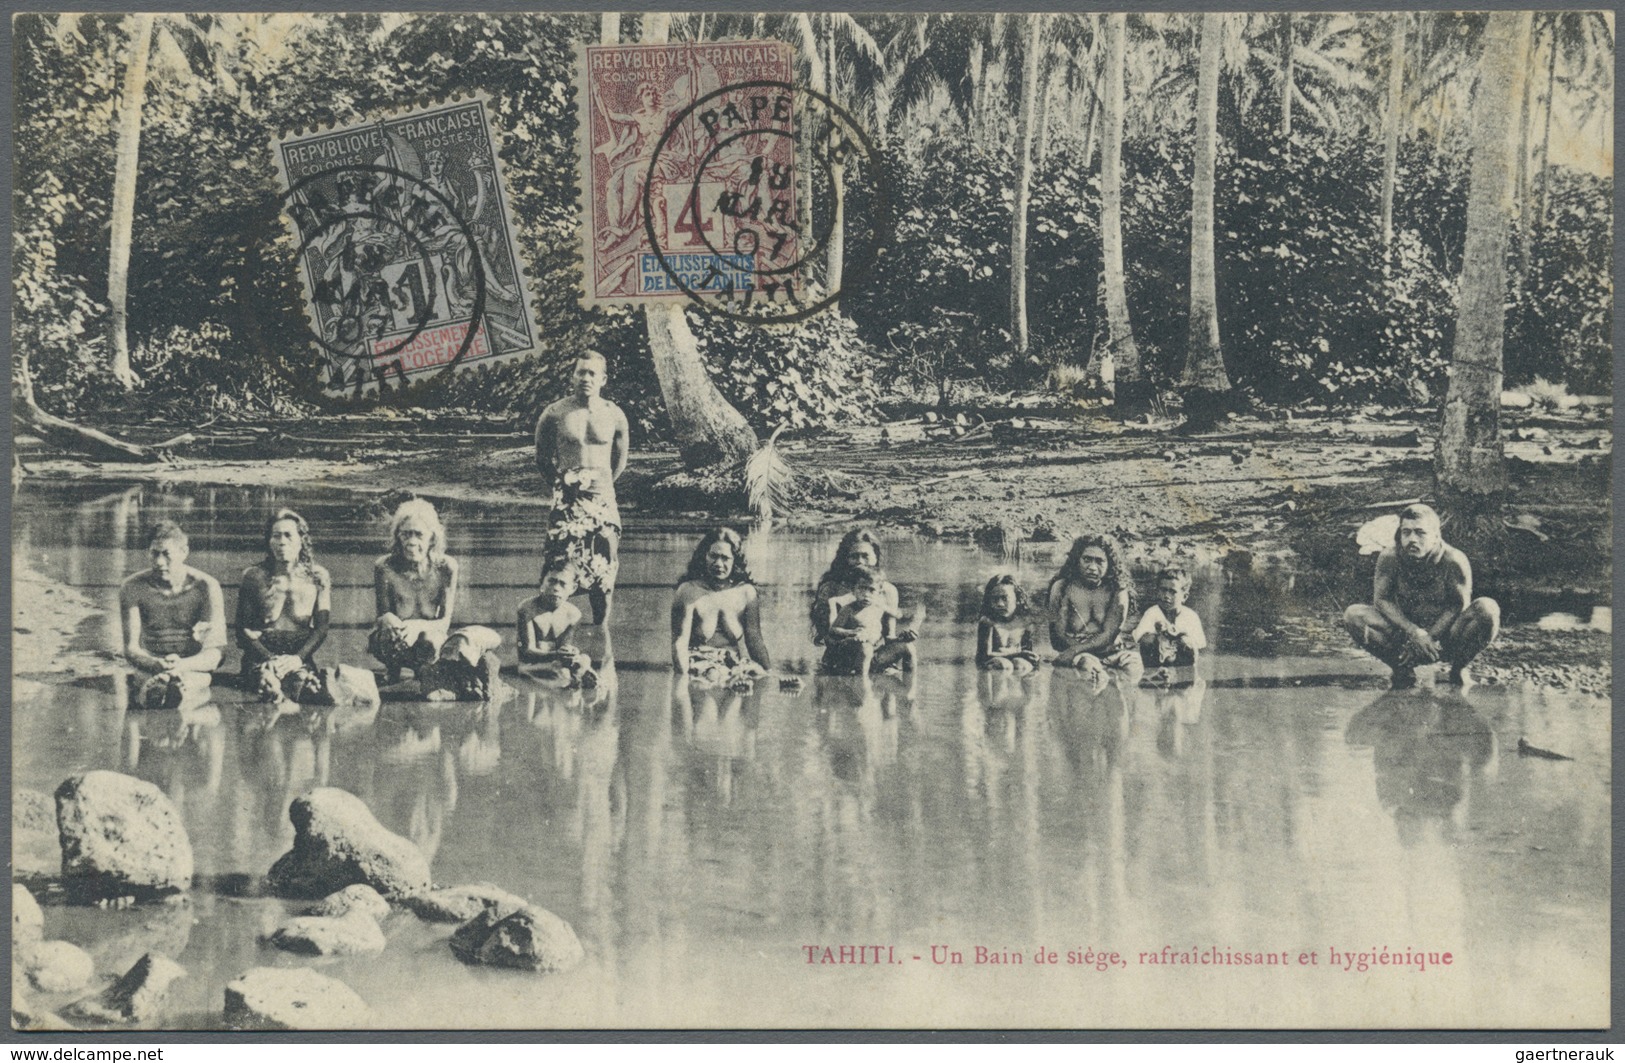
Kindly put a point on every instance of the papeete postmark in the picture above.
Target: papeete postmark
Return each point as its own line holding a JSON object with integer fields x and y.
{"x": 650, "y": 183}
{"x": 762, "y": 256}
{"x": 406, "y": 246}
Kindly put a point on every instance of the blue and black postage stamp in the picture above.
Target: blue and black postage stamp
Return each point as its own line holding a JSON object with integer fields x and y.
{"x": 405, "y": 243}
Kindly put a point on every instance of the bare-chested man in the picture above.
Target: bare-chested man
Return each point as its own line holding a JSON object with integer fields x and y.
{"x": 1423, "y": 610}
{"x": 173, "y": 620}
{"x": 1088, "y": 602}
{"x": 581, "y": 449}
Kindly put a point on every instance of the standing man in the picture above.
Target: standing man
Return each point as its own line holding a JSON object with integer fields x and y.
{"x": 173, "y": 622}
{"x": 1423, "y": 610}
{"x": 581, "y": 449}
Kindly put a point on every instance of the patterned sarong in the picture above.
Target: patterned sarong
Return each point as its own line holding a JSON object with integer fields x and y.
{"x": 584, "y": 526}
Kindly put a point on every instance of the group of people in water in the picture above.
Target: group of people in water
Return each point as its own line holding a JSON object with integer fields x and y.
{"x": 174, "y": 633}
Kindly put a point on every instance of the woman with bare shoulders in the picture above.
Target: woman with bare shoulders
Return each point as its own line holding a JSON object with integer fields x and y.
{"x": 716, "y": 623}
{"x": 415, "y": 588}
{"x": 856, "y": 558}
{"x": 284, "y": 603}
{"x": 1089, "y": 605}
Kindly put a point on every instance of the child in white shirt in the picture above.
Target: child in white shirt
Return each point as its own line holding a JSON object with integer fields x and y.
{"x": 1169, "y": 634}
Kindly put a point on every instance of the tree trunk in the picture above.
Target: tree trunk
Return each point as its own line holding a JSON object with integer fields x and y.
{"x": 1521, "y": 186}
{"x": 1089, "y": 131}
{"x": 1546, "y": 135}
{"x": 123, "y": 217}
{"x": 708, "y": 429}
{"x": 804, "y": 150}
{"x": 609, "y": 27}
{"x": 1469, "y": 464}
{"x": 1288, "y": 85}
{"x": 837, "y": 186}
{"x": 1390, "y": 128}
{"x": 1024, "y": 180}
{"x": 72, "y": 437}
{"x": 1131, "y": 397}
{"x": 1205, "y": 382}
{"x": 1041, "y": 144}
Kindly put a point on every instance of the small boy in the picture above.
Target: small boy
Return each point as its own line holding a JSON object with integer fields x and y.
{"x": 1169, "y": 634}
{"x": 466, "y": 669}
{"x": 545, "y": 625}
{"x": 858, "y": 629}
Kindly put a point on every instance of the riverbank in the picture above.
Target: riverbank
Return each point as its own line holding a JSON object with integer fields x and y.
{"x": 1284, "y": 490}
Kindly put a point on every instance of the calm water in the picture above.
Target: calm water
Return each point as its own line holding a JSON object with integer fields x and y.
{"x": 699, "y": 842}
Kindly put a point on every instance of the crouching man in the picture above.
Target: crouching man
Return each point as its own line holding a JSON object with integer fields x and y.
{"x": 1423, "y": 610}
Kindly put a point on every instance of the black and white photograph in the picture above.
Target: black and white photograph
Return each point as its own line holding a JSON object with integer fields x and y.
{"x": 534, "y": 521}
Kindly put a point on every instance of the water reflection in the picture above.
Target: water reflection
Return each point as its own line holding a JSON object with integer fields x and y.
{"x": 1430, "y": 748}
{"x": 696, "y": 837}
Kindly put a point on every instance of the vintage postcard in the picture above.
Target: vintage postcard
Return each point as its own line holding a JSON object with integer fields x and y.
{"x": 532, "y": 521}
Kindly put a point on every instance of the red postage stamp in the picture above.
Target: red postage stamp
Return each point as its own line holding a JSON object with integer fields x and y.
{"x": 666, "y": 193}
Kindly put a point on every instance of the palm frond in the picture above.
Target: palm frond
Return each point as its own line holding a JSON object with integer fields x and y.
{"x": 769, "y": 479}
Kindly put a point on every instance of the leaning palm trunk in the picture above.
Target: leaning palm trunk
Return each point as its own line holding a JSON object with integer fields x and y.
{"x": 707, "y": 428}
{"x": 1024, "y": 181}
{"x": 1390, "y": 129}
{"x": 1132, "y": 394}
{"x": 837, "y": 190}
{"x": 1205, "y": 383}
{"x": 1469, "y": 464}
{"x": 123, "y": 214}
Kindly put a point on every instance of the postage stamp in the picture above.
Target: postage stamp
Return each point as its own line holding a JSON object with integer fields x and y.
{"x": 652, "y": 175}
{"x": 762, "y": 258}
{"x": 406, "y": 247}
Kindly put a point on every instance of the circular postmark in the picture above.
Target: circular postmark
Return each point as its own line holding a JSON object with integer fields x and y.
{"x": 751, "y": 239}
{"x": 369, "y": 237}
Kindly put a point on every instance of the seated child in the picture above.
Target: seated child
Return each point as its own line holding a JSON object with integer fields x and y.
{"x": 1170, "y": 634}
{"x": 467, "y": 668}
{"x": 545, "y": 625}
{"x": 858, "y": 627}
{"x": 1004, "y": 634}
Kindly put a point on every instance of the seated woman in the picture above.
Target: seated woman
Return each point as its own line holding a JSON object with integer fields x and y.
{"x": 546, "y": 623}
{"x": 284, "y": 604}
{"x": 415, "y": 587}
{"x": 1089, "y": 604}
{"x": 859, "y": 553}
{"x": 716, "y": 626}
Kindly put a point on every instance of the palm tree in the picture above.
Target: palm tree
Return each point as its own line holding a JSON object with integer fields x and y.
{"x": 1390, "y": 127}
{"x": 1205, "y": 381}
{"x": 123, "y": 214}
{"x": 1288, "y": 75}
{"x": 1032, "y": 54}
{"x": 707, "y": 428}
{"x": 1469, "y": 464}
{"x": 1131, "y": 396}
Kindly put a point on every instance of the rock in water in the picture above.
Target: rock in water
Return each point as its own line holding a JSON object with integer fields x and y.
{"x": 337, "y": 843}
{"x": 459, "y": 904}
{"x": 57, "y": 966}
{"x": 292, "y": 998}
{"x": 357, "y": 898}
{"x": 529, "y": 939}
{"x": 120, "y": 837}
{"x": 350, "y": 934}
{"x": 27, "y": 921}
{"x": 138, "y": 996}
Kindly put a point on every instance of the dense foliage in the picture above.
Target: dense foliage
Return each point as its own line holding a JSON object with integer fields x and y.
{"x": 1310, "y": 305}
